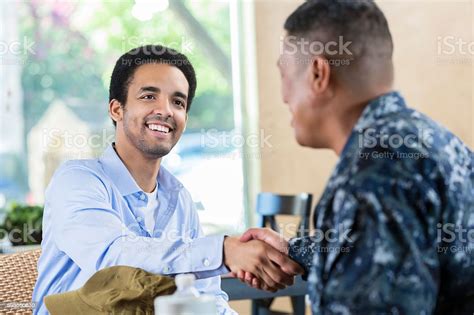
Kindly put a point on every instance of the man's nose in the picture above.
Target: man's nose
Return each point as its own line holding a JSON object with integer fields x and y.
{"x": 163, "y": 107}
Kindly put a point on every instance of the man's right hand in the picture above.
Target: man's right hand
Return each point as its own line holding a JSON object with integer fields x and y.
{"x": 262, "y": 261}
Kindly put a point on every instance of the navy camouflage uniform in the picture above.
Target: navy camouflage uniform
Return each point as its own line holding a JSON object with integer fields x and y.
{"x": 395, "y": 225}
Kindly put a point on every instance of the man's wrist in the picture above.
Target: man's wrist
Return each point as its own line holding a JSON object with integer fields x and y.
{"x": 227, "y": 245}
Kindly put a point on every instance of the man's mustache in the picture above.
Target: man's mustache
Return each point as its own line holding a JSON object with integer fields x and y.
{"x": 160, "y": 118}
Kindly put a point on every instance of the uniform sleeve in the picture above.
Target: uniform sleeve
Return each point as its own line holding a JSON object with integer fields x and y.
{"x": 302, "y": 250}
{"x": 379, "y": 258}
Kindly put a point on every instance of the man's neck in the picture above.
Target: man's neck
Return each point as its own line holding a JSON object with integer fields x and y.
{"x": 345, "y": 124}
{"x": 143, "y": 170}
{"x": 346, "y": 117}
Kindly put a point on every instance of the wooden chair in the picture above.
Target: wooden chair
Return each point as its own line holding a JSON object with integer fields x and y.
{"x": 270, "y": 205}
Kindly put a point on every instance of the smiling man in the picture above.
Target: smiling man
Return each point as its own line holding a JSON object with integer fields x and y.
{"x": 124, "y": 208}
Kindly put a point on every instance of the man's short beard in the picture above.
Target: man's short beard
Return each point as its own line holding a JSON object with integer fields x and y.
{"x": 154, "y": 152}
{"x": 139, "y": 142}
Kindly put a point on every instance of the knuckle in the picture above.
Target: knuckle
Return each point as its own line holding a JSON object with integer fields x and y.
{"x": 293, "y": 268}
{"x": 279, "y": 278}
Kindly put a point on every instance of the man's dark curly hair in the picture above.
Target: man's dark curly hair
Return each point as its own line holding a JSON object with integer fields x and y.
{"x": 125, "y": 67}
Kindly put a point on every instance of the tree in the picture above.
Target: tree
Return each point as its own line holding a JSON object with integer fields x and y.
{"x": 77, "y": 44}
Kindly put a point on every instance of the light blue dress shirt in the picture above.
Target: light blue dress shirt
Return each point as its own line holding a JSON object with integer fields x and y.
{"x": 91, "y": 222}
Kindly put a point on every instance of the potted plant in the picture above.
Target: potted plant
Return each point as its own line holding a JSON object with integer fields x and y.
{"x": 23, "y": 224}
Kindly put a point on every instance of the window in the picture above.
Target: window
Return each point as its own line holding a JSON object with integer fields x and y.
{"x": 57, "y": 57}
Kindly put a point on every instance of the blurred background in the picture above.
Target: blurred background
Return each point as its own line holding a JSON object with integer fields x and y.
{"x": 56, "y": 58}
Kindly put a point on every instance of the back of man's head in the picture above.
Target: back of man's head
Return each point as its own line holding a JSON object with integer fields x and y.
{"x": 352, "y": 35}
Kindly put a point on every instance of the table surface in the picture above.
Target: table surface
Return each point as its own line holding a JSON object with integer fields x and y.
{"x": 238, "y": 290}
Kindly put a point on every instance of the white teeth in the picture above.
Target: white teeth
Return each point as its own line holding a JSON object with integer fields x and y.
{"x": 159, "y": 128}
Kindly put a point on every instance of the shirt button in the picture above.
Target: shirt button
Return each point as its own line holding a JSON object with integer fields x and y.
{"x": 139, "y": 219}
{"x": 142, "y": 196}
{"x": 206, "y": 262}
{"x": 167, "y": 269}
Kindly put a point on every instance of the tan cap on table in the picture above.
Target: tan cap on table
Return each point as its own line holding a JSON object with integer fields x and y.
{"x": 113, "y": 290}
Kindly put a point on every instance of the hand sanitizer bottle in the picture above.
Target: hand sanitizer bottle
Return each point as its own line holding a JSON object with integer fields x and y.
{"x": 186, "y": 300}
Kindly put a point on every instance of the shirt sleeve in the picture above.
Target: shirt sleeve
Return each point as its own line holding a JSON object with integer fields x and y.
{"x": 212, "y": 285}
{"x": 86, "y": 227}
{"x": 379, "y": 258}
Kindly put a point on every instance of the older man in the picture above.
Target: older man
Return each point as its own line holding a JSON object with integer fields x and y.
{"x": 395, "y": 222}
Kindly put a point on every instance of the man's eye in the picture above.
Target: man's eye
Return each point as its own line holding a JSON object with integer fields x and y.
{"x": 148, "y": 97}
{"x": 180, "y": 103}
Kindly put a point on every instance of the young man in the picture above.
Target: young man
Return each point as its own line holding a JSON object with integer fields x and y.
{"x": 125, "y": 209}
{"x": 398, "y": 210}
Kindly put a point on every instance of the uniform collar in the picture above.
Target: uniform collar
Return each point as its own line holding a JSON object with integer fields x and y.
{"x": 376, "y": 109}
{"x": 379, "y": 107}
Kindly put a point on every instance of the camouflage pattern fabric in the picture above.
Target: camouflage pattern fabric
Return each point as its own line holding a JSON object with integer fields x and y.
{"x": 395, "y": 225}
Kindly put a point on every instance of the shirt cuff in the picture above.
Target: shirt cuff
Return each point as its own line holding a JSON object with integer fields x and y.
{"x": 207, "y": 256}
{"x": 223, "y": 307}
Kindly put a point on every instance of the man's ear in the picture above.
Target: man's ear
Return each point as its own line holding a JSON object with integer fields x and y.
{"x": 115, "y": 110}
{"x": 320, "y": 74}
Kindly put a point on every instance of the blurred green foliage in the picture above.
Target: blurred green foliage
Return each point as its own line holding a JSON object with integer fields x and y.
{"x": 25, "y": 222}
{"x": 77, "y": 43}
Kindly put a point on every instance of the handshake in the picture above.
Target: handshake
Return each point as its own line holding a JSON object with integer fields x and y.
{"x": 260, "y": 258}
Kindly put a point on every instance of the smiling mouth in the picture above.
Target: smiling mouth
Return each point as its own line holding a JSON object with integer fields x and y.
{"x": 159, "y": 128}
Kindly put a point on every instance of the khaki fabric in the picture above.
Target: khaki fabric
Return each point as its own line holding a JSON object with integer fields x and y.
{"x": 114, "y": 290}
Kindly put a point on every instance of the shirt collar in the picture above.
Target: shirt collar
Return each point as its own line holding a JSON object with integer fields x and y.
{"x": 118, "y": 172}
{"x": 377, "y": 108}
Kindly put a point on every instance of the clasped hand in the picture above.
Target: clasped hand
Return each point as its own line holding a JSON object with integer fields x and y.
{"x": 260, "y": 259}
